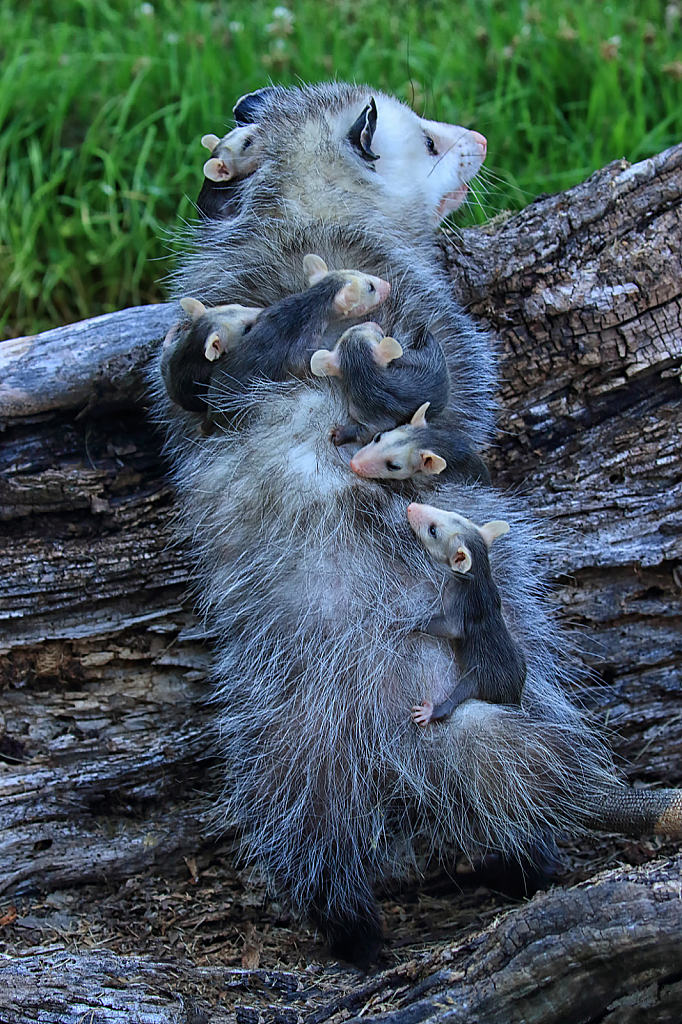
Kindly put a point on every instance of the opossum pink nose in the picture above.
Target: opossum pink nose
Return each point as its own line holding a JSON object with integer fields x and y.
{"x": 355, "y": 466}
{"x": 481, "y": 142}
{"x": 383, "y": 289}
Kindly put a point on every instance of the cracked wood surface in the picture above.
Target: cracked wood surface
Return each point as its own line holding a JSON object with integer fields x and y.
{"x": 105, "y": 743}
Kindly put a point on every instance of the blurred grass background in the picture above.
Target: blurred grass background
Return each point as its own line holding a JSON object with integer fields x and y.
{"x": 102, "y": 106}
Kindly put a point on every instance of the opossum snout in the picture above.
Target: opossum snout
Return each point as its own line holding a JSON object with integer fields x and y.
{"x": 480, "y": 141}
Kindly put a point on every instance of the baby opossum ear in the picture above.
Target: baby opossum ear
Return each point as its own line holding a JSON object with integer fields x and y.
{"x": 386, "y": 351}
{"x": 170, "y": 337}
{"x": 314, "y": 268}
{"x": 491, "y": 531}
{"x": 461, "y": 560}
{"x": 217, "y": 170}
{"x": 248, "y": 107}
{"x": 213, "y": 348}
{"x": 347, "y": 297}
{"x": 210, "y": 142}
{"x": 431, "y": 463}
{"x": 324, "y": 363}
{"x": 362, "y": 132}
{"x": 193, "y": 307}
{"x": 419, "y": 418}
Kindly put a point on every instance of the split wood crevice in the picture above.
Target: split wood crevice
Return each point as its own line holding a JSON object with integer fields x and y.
{"x": 105, "y": 760}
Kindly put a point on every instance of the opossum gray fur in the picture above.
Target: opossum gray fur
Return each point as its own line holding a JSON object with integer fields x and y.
{"x": 311, "y": 578}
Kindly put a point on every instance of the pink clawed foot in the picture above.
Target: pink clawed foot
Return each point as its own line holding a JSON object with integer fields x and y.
{"x": 421, "y": 714}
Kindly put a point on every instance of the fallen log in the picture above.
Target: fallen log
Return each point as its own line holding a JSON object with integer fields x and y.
{"x": 106, "y": 766}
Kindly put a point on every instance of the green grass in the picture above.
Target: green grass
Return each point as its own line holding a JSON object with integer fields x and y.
{"x": 102, "y": 106}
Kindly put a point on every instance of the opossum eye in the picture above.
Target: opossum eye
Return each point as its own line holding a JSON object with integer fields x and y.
{"x": 246, "y": 145}
{"x": 376, "y": 438}
{"x": 431, "y": 145}
{"x": 433, "y": 530}
{"x": 370, "y": 287}
{"x": 392, "y": 467}
{"x": 247, "y": 328}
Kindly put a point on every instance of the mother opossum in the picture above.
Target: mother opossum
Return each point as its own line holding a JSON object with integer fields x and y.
{"x": 311, "y": 578}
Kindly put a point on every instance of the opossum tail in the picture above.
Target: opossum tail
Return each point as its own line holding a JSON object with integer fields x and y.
{"x": 637, "y": 812}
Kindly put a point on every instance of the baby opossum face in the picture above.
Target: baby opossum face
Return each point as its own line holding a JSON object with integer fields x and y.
{"x": 444, "y": 534}
{"x": 220, "y": 327}
{"x": 358, "y": 293}
{"x": 396, "y": 454}
{"x": 430, "y": 158}
{"x": 234, "y": 156}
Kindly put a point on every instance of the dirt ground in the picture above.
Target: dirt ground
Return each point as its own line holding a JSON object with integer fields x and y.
{"x": 216, "y": 916}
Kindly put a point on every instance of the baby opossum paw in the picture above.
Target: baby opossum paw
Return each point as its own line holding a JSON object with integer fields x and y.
{"x": 421, "y": 713}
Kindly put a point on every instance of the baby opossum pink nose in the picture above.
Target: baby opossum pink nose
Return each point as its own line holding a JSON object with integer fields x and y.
{"x": 481, "y": 142}
{"x": 413, "y": 513}
{"x": 356, "y": 466}
{"x": 383, "y": 288}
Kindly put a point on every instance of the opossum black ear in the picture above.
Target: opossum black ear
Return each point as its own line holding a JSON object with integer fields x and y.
{"x": 194, "y": 307}
{"x": 314, "y": 268}
{"x": 248, "y": 107}
{"x": 461, "y": 560}
{"x": 213, "y": 348}
{"x": 216, "y": 170}
{"x": 491, "y": 531}
{"x": 432, "y": 464}
{"x": 210, "y": 142}
{"x": 362, "y": 132}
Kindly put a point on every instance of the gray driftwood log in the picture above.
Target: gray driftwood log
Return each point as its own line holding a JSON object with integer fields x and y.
{"x": 105, "y": 754}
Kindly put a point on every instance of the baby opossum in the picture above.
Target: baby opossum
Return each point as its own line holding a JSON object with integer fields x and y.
{"x": 420, "y": 449}
{"x": 189, "y": 352}
{"x": 227, "y": 347}
{"x": 379, "y": 380}
{"x": 492, "y": 666}
{"x": 311, "y": 577}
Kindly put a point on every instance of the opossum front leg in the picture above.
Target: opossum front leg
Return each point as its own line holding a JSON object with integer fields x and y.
{"x": 442, "y": 626}
{"x": 466, "y": 689}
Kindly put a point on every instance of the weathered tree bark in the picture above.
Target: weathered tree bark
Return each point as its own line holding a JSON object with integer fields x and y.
{"x": 105, "y": 750}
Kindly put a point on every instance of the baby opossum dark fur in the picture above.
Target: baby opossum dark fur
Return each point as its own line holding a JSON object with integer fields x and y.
{"x": 312, "y": 579}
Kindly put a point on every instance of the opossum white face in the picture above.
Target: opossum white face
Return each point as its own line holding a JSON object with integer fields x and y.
{"x": 430, "y": 158}
{"x": 234, "y": 156}
{"x": 444, "y": 534}
{"x": 395, "y": 455}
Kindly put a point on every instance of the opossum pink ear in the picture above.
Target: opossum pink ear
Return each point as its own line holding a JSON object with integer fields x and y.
{"x": 217, "y": 170}
{"x": 491, "y": 531}
{"x": 193, "y": 307}
{"x": 214, "y": 347}
{"x": 324, "y": 363}
{"x": 431, "y": 463}
{"x": 314, "y": 268}
{"x": 170, "y": 337}
{"x": 386, "y": 351}
{"x": 461, "y": 560}
{"x": 210, "y": 142}
{"x": 419, "y": 418}
{"x": 348, "y": 297}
